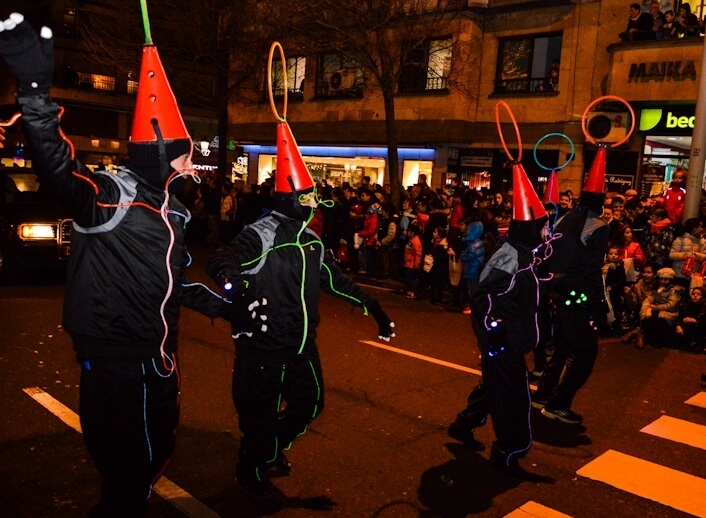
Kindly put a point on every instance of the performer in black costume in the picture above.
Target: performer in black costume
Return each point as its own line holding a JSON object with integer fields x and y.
{"x": 578, "y": 294}
{"x": 504, "y": 319}
{"x": 280, "y": 266}
{"x": 126, "y": 276}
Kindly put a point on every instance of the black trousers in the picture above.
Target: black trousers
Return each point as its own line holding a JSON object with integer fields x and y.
{"x": 503, "y": 393}
{"x": 571, "y": 363}
{"x": 275, "y": 403}
{"x": 129, "y": 410}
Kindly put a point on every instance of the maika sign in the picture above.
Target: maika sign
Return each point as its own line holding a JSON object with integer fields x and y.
{"x": 660, "y": 70}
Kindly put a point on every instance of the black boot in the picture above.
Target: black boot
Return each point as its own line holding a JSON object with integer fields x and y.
{"x": 281, "y": 467}
{"x": 254, "y": 482}
{"x": 462, "y": 432}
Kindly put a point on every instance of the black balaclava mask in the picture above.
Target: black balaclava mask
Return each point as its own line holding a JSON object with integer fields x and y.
{"x": 145, "y": 161}
{"x": 288, "y": 204}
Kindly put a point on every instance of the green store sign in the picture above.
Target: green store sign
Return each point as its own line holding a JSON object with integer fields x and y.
{"x": 673, "y": 120}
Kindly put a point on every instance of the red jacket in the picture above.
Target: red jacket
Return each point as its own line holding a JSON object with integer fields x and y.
{"x": 674, "y": 202}
{"x": 370, "y": 229}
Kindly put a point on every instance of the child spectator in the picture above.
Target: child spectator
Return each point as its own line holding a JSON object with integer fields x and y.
{"x": 660, "y": 311}
{"x": 691, "y": 326}
{"x": 630, "y": 252}
{"x": 615, "y": 283}
{"x": 659, "y": 238}
{"x": 473, "y": 256}
{"x": 634, "y": 298}
{"x": 686, "y": 252}
{"x": 439, "y": 273}
{"x": 669, "y": 28}
{"x": 412, "y": 260}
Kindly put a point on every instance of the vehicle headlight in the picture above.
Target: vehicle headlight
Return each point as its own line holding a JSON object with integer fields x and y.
{"x": 34, "y": 231}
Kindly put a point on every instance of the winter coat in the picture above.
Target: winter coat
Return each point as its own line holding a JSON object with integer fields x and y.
{"x": 473, "y": 254}
{"x": 681, "y": 246}
{"x": 666, "y": 301}
{"x": 369, "y": 233}
{"x": 283, "y": 262}
{"x": 413, "y": 253}
{"x": 504, "y": 309}
{"x": 117, "y": 279}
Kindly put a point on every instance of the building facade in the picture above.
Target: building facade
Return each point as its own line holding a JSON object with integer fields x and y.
{"x": 547, "y": 60}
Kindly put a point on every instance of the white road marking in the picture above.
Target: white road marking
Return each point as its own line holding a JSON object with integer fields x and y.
{"x": 422, "y": 357}
{"x": 534, "y": 510}
{"x": 698, "y": 400}
{"x": 429, "y": 359}
{"x": 648, "y": 480}
{"x": 678, "y": 430}
{"x": 164, "y": 487}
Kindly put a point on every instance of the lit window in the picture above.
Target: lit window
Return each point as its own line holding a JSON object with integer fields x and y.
{"x": 528, "y": 64}
{"x": 296, "y": 71}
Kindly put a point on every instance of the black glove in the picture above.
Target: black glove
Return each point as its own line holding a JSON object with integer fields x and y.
{"x": 246, "y": 317}
{"x": 385, "y": 325}
{"x": 30, "y": 58}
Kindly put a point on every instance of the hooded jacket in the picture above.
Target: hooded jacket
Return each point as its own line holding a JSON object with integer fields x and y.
{"x": 117, "y": 276}
{"x": 284, "y": 262}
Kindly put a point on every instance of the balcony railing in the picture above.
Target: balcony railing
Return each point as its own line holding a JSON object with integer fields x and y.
{"x": 525, "y": 86}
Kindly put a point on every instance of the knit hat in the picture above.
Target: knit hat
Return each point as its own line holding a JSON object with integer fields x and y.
{"x": 593, "y": 192}
{"x": 666, "y": 273}
{"x": 158, "y": 133}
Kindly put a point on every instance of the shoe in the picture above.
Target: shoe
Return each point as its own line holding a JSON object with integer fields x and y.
{"x": 254, "y": 483}
{"x": 630, "y": 336}
{"x": 640, "y": 340}
{"x": 281, "y": 466}
{"x": 539, "y": 403}
{"x": 466, "y": 310}
{"x": 465, "y": 435}
{"x": 565, "y": 416}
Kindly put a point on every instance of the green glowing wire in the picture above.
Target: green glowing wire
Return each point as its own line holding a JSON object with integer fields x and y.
{"x": 146, "y": 22}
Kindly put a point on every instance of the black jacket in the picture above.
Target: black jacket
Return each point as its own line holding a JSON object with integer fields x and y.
{"x": 505, "y": 304}
{"x": 117, "y": 277}
{"x": 285, "y": 262}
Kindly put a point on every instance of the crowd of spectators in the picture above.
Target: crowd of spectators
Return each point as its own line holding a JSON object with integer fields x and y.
{"x": 657, "y": 25}
{"x": 436, "y": 243}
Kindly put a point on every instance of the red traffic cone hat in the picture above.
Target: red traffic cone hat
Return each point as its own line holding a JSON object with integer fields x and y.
{"x": 290, "y": 163}
{"x": 526, "y": 205}
{"x": 596, "y": 176}
{"x": 551, "y": 194}
{"x": 155, "y": 100}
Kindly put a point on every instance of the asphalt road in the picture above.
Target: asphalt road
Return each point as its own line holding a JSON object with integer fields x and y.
{"x": 379, "y": 449}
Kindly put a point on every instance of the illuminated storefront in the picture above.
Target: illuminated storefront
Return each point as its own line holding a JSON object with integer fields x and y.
{"x": 338, "y": 165}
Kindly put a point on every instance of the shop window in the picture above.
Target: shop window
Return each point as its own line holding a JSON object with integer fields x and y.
{"x": 411, "y": 170}
{"x": 296, "y": 70}
{"x": 338, "y": 76}
{"x": 427, "y": 68}
{"x": 528, "y": 64}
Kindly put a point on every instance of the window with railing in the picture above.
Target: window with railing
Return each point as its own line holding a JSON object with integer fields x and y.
{"x": 338, "y": 76}
{"x": 131, "y": 85}
{"x": 427, "y": 67}
{"x": 96, "y": 82}
{"x": 296, "y": 71}
{"x": 528, "y": 64}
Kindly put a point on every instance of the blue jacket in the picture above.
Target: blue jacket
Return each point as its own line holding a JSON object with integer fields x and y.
{"x": 473, "y": 254}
